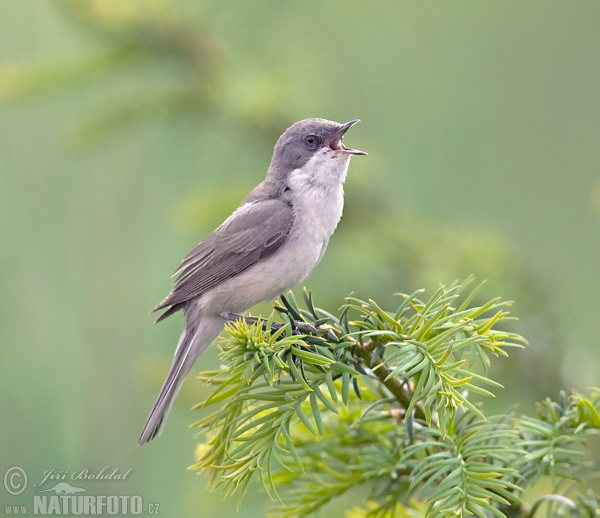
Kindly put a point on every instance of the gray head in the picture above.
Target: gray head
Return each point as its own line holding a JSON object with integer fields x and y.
{"x": 301, "y": 141}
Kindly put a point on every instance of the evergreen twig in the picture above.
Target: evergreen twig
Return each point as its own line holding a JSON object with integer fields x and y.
{"x": 304, "y": 406}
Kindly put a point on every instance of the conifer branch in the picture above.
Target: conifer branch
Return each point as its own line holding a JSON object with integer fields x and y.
{"x": 300, "y": 406}
{"x": 383, "y": 373}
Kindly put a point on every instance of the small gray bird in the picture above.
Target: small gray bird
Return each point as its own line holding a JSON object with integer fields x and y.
{"x": 270, "y": 244}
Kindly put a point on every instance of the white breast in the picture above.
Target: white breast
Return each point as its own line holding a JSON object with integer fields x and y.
{"x": 318, "y": 194}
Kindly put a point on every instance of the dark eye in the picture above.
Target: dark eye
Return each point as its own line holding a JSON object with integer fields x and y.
{"x": 312, "y": 140}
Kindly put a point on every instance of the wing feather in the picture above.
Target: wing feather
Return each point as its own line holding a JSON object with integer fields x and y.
{"x": 252, "y": 233}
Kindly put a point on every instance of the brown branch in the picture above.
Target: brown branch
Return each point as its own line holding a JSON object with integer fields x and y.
{"x": 404, "y": 397}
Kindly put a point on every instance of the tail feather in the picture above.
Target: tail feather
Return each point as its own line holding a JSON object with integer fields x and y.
{"x": 195, "y": 338}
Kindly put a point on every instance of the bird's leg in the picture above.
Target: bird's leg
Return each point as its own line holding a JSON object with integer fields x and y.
{"x": 300, "y": 326}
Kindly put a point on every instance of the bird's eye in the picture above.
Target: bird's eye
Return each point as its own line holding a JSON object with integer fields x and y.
{"x": 312, "y": 141}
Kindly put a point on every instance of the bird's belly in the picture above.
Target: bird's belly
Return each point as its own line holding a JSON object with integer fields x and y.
{"x": 269, "y": 278}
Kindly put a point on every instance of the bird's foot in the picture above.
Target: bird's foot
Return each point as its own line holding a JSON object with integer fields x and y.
{"x": 301, "y": 327}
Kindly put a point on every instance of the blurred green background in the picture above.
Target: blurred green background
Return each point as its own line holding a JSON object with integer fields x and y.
{"x": 130, "y": 128}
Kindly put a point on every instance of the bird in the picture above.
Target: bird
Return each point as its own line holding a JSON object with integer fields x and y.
{"x": 269, "y": 245}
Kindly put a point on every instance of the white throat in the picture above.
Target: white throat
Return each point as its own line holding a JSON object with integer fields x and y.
{"x": 318, "y": 194}
{"x": 325, "y": 169}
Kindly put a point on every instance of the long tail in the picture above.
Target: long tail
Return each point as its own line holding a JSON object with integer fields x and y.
{"x": 198, "y": 334}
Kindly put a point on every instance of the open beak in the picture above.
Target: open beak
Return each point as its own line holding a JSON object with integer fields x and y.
{"x": 336, "y": 143}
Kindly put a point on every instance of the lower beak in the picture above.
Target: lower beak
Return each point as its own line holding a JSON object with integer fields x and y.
{"x": 336, "y": 143}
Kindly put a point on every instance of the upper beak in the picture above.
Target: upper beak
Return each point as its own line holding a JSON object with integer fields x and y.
{"x": 336, "y": 143}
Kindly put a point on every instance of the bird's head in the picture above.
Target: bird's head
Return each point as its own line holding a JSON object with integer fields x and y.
{"x": 315, "y": 140}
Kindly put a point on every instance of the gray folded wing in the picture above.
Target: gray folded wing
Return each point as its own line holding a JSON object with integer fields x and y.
{"x": 252, "y": 233}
